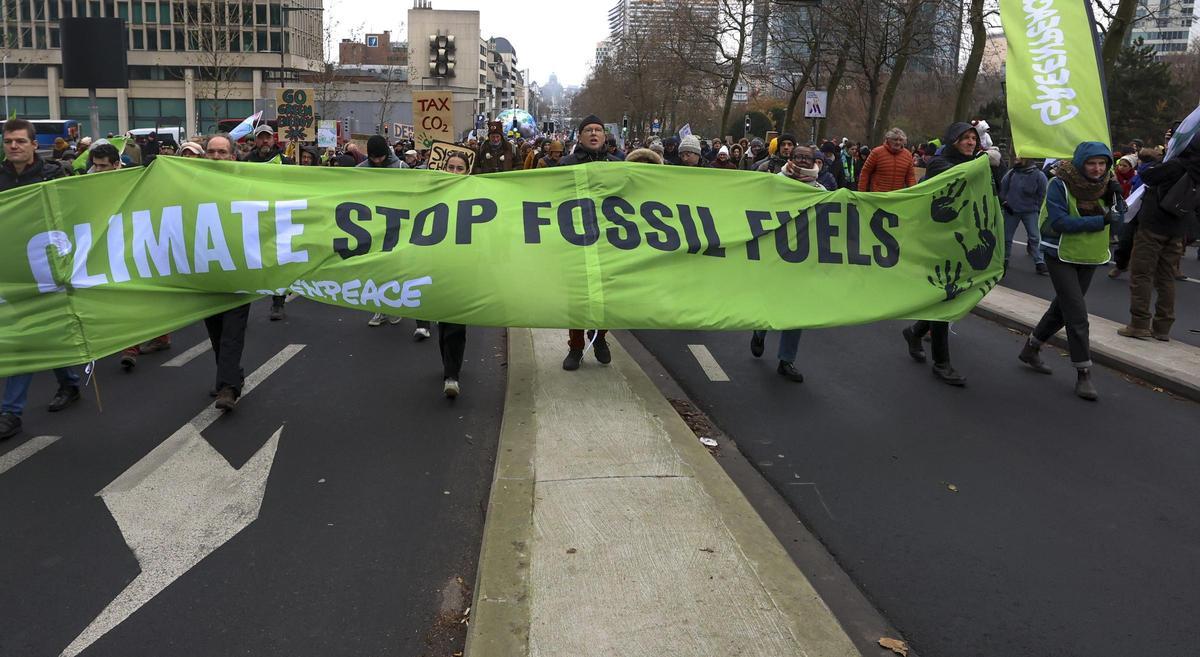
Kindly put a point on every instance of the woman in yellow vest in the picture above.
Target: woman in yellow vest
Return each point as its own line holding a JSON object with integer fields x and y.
{"x": 1082, "y": 203}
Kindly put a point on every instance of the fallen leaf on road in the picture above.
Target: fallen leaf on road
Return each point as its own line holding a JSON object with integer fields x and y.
{"x": 571, "y": 550}
{"x": 952, "y": 488}
{"x": 708, "y": 550}
{"x": 708, "y": 442}
{"x": 895, "y": 645}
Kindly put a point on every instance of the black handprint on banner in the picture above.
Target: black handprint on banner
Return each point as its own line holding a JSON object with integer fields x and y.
{"x": 980, "y": 256}
{"x": 987, "y": 286}
{"x": 941, "y": 208}
{"x": 947, "y": 281}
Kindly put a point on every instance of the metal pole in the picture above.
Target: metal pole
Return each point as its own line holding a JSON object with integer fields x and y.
{"x": 94, "y": 113}
{"x": 6, "y": 112}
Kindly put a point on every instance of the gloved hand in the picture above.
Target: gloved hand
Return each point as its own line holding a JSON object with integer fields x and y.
{"x": 1114, "y": 218}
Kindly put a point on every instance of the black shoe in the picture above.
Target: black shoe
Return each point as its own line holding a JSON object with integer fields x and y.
{"x": 758, "y": 342}
{"x": 65, "y": 396}
{"x": 789, "y": 372}
{"x": 1084, "y": 387}
{"x": 1042, "y": 269}
{"x": 571, "y": 362}
{"x": 276, "y": 313}
{"x": 915, "y": 348}
{"x": 1032, "y": 356}
{"x": 227, "y": 398}
{"x": 603, "y": 354}
{"x": 948, "y": 375}
{"x": 10, "y": 425}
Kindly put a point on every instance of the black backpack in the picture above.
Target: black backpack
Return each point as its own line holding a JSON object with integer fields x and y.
{"x": 1182, "y": 199}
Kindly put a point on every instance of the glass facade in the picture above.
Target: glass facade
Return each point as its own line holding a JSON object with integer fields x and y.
{"x": 210, "y": 111}
{"x": 77, "y": 108}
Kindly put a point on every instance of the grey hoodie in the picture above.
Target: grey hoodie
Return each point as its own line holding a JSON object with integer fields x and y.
{"x": 1023, "y": 189}
{"x": 392, "y": 162}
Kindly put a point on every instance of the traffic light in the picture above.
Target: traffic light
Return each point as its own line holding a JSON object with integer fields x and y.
{"x": 747, "y": 125}
{"x": 624, "y": 124}
{"x": 441, "y": 55}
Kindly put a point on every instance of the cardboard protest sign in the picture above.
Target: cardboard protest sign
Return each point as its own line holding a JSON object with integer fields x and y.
{"x": 433, "y": 117}
{"x": 294, "y": 110}
{"x": 327, "y": 134}
{"x": 439, "y": 151}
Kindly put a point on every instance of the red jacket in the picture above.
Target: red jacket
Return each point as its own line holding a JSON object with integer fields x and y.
{"x": 885, "y": 171}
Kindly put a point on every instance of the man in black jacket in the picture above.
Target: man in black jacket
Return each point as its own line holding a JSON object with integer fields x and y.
{"x": 1158, "y": 246}
{"x": 590, "y": 147}
{"x": 961, "y": 146}
{"x": 22, "y": 166}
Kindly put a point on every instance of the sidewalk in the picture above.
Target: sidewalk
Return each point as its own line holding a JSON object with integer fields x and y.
{"x": 1173, "y": 365}
{"x": 612, "y": 531}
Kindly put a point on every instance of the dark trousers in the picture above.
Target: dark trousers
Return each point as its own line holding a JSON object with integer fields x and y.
{"x": 1152, "y": 270}
{"x": 452, "y": 342}
{"x": 577, "y": 340}
{"x": 939, "y": 332}
{"x": 227, "y": 333}
{"x": 1068, "y": 309}
{"x": 1124, "y": 249}
{"x": 277, "y": 301}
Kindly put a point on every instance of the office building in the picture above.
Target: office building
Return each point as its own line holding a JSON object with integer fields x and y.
{"x": 1167, "y": 27}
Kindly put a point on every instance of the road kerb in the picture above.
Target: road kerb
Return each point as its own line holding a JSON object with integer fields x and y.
{"x": 499, "y": 620}
{"x": 1174, "y": 365}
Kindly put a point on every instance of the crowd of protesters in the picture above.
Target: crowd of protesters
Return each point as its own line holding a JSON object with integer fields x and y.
{"x": 1071, "y": 210}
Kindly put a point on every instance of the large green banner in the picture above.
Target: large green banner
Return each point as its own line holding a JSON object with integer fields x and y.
{"x": 1052, "y": 75}
{"x": 92, "y": 264}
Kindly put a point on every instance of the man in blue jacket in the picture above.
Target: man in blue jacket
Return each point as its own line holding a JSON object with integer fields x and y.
{"x": 1022, "y": 191}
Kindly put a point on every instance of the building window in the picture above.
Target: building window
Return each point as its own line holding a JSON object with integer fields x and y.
{"x": 210, "y": 111}
{"x": 151, "y": 39}
{"x": 178, "y": 39}
{"x": 54, "y": 41}
{"x": 261, "y": 41}
{"x": 156, "y": 113}
{"x": 151, "y": 12}
{"x": 30, "y": 107}
{"x": 260, "y": 14}
{"x": 77, "y": 108}
{"x": 164, "y": 39}
{"x": 139, "y": 40}
{"x": 164, "y": 12}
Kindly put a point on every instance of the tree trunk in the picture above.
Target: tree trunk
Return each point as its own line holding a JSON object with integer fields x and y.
{"x": 966, "y": 89}
{"x": 835, "y": 80}
{"x": 893, "y": 83}
{"x": 733, "y": 82}
{"x": 793, "y": 99}
{"x": 1114, "y": 39}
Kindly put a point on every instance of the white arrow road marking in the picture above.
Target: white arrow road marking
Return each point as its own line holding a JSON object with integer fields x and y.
{"x": 189, "y": 355}
{"x": 24, "y": 451}
{"x": 708, "y": 363}
{"x": 178, "y": 504}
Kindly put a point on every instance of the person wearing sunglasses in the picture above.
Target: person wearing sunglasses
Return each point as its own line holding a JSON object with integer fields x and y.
{"x": 802, "y": 167}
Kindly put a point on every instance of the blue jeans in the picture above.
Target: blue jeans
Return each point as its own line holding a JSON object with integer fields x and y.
{"x": 789, "y": 343}
{"x": 1032, "y": 233}
{"x": 16, "y": 391}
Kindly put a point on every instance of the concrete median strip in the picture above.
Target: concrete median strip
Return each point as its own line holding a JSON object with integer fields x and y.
{"x": 611, "y": 530}
{"x": 1173, "y": 365}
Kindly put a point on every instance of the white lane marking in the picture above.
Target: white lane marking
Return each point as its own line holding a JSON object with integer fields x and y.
{"x": 708, "y": 363}
{"x": 179, "y": 503}
{"x": 24, "y": 451}
{"x": 190, "y": 504}
{"x": 189, "y": 355}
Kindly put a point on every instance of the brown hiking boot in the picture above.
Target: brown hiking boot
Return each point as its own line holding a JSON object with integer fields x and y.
{"x": 1131, "y": 332}
{"x": 226, "y": 399}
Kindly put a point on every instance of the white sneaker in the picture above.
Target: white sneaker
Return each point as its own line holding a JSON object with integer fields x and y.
{"x": 450, "y": 388}
{"x": 422, "y": 334}
{"x": 395, "y": 320}
{"x": 376, "y": 320}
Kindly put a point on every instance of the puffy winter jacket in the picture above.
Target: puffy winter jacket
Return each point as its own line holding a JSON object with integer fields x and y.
{"x": 885, "y": 171}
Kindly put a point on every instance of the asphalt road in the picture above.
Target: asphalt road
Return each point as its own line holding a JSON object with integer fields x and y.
{"x": 373, "y": 506}
{"x": 1109, "y": 298}
{"x": 1071, "y": 526}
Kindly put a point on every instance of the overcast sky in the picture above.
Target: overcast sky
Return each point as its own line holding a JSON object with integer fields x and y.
{"x": 550, "y": 36}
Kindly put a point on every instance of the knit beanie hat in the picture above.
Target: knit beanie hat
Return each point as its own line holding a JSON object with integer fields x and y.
{"x": 690, "y": 144}
{"x": 589, "y": 120}
{"x": 724, "y": 151}
{"x": 377, "y": 146}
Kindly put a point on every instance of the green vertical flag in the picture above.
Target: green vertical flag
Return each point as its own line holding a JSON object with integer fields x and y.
{"x": 1052, "y": 71}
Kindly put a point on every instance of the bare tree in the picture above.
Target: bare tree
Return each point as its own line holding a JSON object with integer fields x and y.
{"x": 218, "y": 49}
{"x": 1115, "y": 19}
{"x": 713, "y": 43}
{"x": 795, "y": 38}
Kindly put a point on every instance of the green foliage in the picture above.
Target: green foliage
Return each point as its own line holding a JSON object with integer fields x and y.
{"x": 1143, "y": 98}
{"x": 760, "y": 124}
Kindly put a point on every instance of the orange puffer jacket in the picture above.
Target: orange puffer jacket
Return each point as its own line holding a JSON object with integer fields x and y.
{"x": 885, "y": 171}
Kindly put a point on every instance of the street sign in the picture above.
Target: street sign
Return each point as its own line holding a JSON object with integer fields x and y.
{"x": 814, "y": 104}
{"x": 656, "y": 126}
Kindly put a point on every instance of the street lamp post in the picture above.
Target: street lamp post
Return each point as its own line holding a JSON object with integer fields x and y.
{"x": 284, "y": 10}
